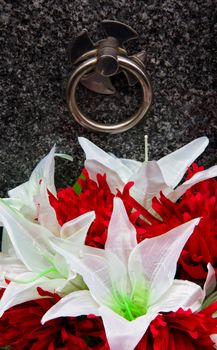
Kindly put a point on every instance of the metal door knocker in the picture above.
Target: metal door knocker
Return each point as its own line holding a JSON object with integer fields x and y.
{"x": 96, "y": 63}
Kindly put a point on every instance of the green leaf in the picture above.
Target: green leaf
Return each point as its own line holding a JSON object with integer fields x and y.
{"x": 77, "y": 187}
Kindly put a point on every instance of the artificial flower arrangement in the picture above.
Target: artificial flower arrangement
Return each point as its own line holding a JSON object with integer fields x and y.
{"x": 124, "y": 259}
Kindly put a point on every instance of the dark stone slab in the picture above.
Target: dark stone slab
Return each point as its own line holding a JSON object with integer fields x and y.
{"x": 180, "y": 40}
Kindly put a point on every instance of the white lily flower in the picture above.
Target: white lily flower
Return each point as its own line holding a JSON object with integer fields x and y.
{"x": 31, "y": 198}
{"x": 209, "y": 287}
{"x": 10, "y": 265}
{"x": 129, "y": 283}
{"x": 149, "y": 177}
{"x": 196, "y": 178}
{"x": 210, "y": 295}
{"x": 33, "y": 260}
{"x": 210, "y": 283}
{"x": 214, "y": 339}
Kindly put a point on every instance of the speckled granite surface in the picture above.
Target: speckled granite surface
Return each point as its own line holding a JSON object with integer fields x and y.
{"x": 180, "y": 39}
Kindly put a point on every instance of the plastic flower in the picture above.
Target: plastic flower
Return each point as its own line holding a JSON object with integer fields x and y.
{"x": 97, "y": 197}
{"x": 201, "y": 248}
{"x": 21, "y": 329}
{"x": 181, "y": 330}
{"x": 31, "y": 198}
{"x": 29, "y": 261}
{"x": 50, "y": 242}
{"x": 129, "y": 283}
{"x": 151, "y": 177}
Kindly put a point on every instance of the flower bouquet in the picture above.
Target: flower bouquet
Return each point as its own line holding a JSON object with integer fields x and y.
{"x": 124, "y": 259}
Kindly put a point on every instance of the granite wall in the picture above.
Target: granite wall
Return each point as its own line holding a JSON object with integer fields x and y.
{"x": 180, "y": 41}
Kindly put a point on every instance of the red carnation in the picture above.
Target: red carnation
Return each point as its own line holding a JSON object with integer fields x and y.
{"x": 199, "y": 201}
{"x": 93, "y": 196}
{"x": 181, "y": 330}
{"x": 20, "y": 328}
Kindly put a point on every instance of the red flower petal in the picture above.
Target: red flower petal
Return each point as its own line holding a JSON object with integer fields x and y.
{"x": 20, "y": 327}
{"x": 201, "y": 248}
{"x": 181, "y": 330}
{"x": 98, "y": 197}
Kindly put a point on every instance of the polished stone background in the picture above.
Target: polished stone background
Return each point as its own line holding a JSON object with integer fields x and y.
{"x": 180, "y": 39}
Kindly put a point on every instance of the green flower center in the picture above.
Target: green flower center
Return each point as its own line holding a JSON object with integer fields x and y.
{"x": 131, "y": 306}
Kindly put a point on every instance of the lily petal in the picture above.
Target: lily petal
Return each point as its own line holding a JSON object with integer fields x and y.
{"x": 46, "y": 213}
{"x": 198, "y": 177}
{"x": 121, "y": 333}
{"x": 121, "y": 237}
{"x": 10, "y": 268}
{"x": 105, "y": 163}
{"x": 19, "y": 293}
{"x": 94, "y": 152}
{"x": 214, "y": 339}
{"x": 13, "y": 202}
{"x": 72, "y": 305}
{"x": 175, "y": 164}
{"x": 11, "y": 264}
{"x": 132, "y": 164}
{"x": 77, "y": 228}
{"x": 6, "y": 246}
{"x": 33, "y": 193}
{"x": 156, "y": 258}
{"x": 27, "y": 191}
{"x": 102, "y": 271}
{"x": 21, "y": 193}
{"x": 210, "y": 282}
{"x": 148, "y": 182}
{"x": 182, "y": 294}
{"x": 30, "y": 241}
{"x": 113, "y": 179}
